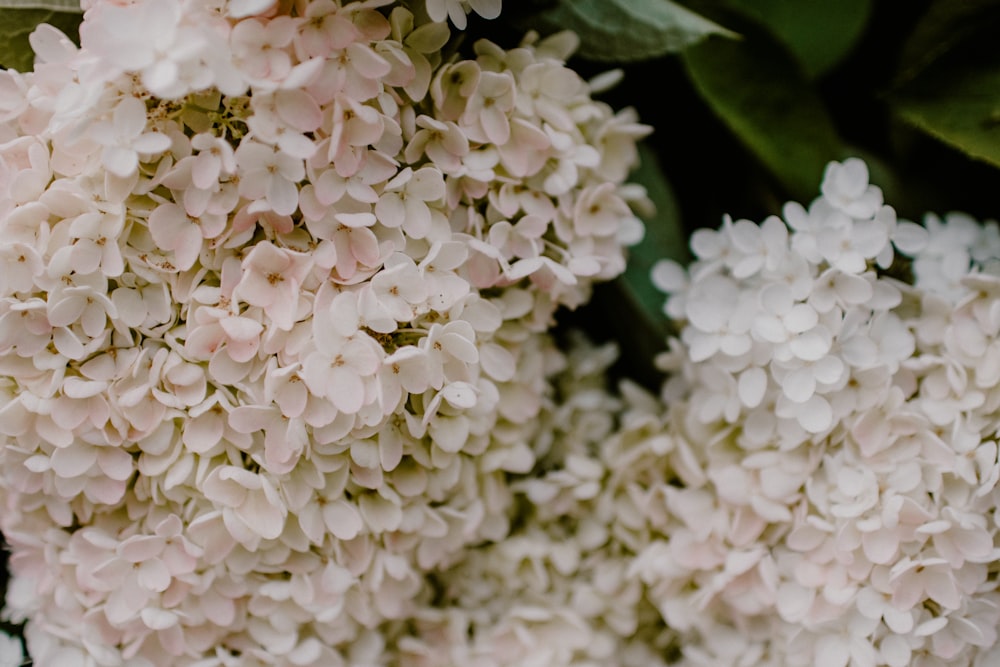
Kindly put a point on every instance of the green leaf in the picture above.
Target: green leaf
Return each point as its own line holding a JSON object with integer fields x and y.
{"x": 17, "y": 24}
{"x": 56, "y": 5}
{"x": 945, "y": 26}
{"x": 818, "y": 32}
{"x": 957, "y": 102}
{"x": 628, "y": 30}
{"x": 635, "y": 306}
{"x": 755, "y": 87}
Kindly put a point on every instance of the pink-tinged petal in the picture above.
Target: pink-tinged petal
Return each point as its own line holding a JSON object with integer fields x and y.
{"x": 282, "y": 310}
{"x": 880, "y": 546}
{"x": 390, "y": 451}
{"x": 418, "y": 218}
{"x": 15, "y": 420}
{"x": 251, "y": 418}
{"x": 202, "y": 341}
{"x": 87, "y": 256}
{"x": 368, "y": 63}
{"x": 73, "y": 461}
{"x": 832, "y": 651}
{"x": 179, "y": 472}
{"x": 812, "y": 345}
{"x": 292, "y": 168}
{"x": 283, "y": 445}
{"x": 158, "y": 619}
{"x": 292, "y": 399}
{"x": 130, "y": 117}
{"x": 139, "y": 548}
{"x": 69, "y": 414}
{"x": 265, "y": 519}
{"x": 66, "y": 311}
{"x": 205, "y": 170}
{"x": 93, "y": 320}
{"x": 282, "y": 196}
{"x": 799, "y": 385}
{"x": 239, "y": 529}
{"x": 153, "y": 575}
{"x": 51, "y": 45}
{"x": 380, "y": 515}
{"x": 242, "y": 329}
{"x": 364, "y": 247}
{"x": 203, "y": 432}
{"x": 112, "y": 262}
{"x": 970, "y": 632}
{"x": 356, "y": 220}
{"x": 895, "y": 651}
{"x": 298, "y": 109}
{"x": 124, "y": 602}
{"x": 342, "y": 519}
{"x": 297, "y": 145}
{"x": 409, "y": 365}
{"x": 496, "y": 125}
{"x": 311, "y": 522}
{"x": 450, "y": 433}
{"x": 460, "y": 347}
{"x": 940, "y": 586}
{"x": 752, "y": 386}
{"x": 460, "y": 395}
{"x": 364, "y": 452}
{"x": 801, "y": 317}
{"x": 223, "y": 490}
{"x": 361, "y": 192}
{"x": 345, "y": 389}
{"x": 363, "y": 356}
{"x": 427, "y": 184}
{"x": 390, "y": 210}
{"x": 329, "y": 189}
{"x": 151, "y": 143}
{"x": 497, "y": 362}
{"x": 815, "y": 415}
{"x": 120, "y": 161}
{"x": 116, "y": 463}
{"x": 211, "y": 225}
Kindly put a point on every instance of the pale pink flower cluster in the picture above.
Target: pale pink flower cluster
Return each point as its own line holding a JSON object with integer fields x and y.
{"x": 559, "y": 590}
{"x": 274, "y": 289}
{"x": 835, "y": 433}
{"x": 817, "y": 485}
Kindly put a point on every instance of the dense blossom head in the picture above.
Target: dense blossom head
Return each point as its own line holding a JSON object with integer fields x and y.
{"x": 816, "y": 484}
{"x": 839, "y": 428}
{"x": 272, "y": 315}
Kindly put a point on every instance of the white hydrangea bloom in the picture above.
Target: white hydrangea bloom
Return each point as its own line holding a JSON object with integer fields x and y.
{"x": 273, "y": 314}
{"x": 840, "y": 424}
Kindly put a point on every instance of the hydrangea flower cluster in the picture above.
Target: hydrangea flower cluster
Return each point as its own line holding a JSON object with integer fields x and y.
{"x": 817, "y": 484}
{"x": 834, "y": 431}
{"x": 275, "y": 282}
{"x": 559, "y": 591}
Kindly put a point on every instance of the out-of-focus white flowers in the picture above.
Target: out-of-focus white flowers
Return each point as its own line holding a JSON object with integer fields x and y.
{"x": 11, "y": 651}
{"x": 839, "y": 427}
{"x": 273, "y": 308}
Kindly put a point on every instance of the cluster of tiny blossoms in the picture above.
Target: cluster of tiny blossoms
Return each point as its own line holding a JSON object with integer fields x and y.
{"x": 559, "y": 591}
{"x": 834, "y": 436}
{"x": 274, "y": 284}
{"x": 815, "y": 487}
